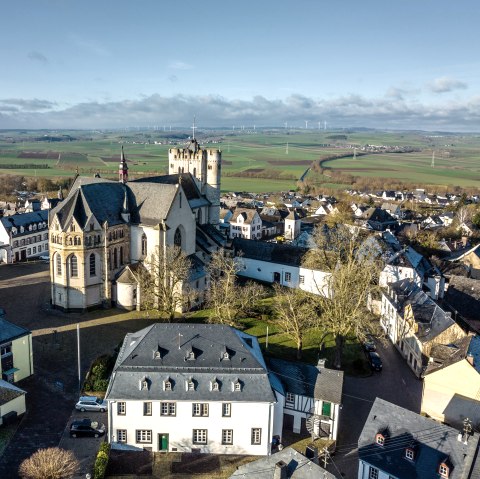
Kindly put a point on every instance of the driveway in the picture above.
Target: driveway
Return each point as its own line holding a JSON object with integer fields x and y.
{"x": 396, "y": 383}
{"x": 52, "y": 391}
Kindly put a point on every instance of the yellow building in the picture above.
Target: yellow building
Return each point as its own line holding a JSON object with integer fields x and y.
{"x": 451, "y": 386}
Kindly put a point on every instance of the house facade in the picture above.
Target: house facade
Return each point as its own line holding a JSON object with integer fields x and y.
{"x": 12, "y": 401}
{"x": 245, "y": 223}
{"x": 16, "y": 352}
{"x": 23, "y": 236}
{"x": 103, "y": 226}
{"x": 313, "y": 396}
{"x": 192, "y": 387}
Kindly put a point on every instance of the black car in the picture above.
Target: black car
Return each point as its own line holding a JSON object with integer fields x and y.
{"x": 369, "y": 343}
{"x": 86, "y": 428}
{"x": 375, "y": 361}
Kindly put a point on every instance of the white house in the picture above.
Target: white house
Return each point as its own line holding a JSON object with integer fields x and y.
{"x": 23, "y": 236}
{"x": 396, "y": 443}
{"x": 192, "y": 387}
{"x": 245, "y": 223}
{"x": 278, "y": 263}
{"x": 292, "y": 225}
{"x": 313, "y": 397}
{"x": 12, "y": 401}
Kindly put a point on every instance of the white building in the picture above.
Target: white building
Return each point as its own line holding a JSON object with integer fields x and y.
{"x": 245, "y": 223}
{"x": 192, "y": 387}
{"x": 278, "y": 263}
{"x": 292, "y": 225}
{"x": 23, "y": 236}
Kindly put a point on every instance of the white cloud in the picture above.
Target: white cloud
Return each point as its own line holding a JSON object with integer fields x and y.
{"x": 446, "y": 84}
{"x": 179, "y": 65}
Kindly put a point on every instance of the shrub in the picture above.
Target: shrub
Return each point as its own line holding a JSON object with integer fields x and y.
{"x": 101, "y": 461}
{"x": 51, "y": 463}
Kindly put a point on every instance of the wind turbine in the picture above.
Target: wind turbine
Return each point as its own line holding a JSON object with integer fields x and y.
{"x": 306, "y": 124}
{"x": 433, "y": 159}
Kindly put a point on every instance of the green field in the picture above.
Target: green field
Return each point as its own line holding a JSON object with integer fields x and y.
{"x": 261, "y": 161}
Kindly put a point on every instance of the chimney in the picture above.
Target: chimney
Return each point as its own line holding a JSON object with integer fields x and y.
{"x": 280, "y": 471}
{"x": 321, "y": 363}
{"x": 311, "y": 452}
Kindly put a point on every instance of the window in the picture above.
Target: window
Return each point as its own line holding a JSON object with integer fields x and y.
{"x": 301, "y": 279}
{"x": 380, "y": 439}
{"x": 6, "y": 350}
{"x": 443, "y": 470}
{"x": 409, "y": 454}
{"x": 227, "y": 436}
{"x": 326, "y": 408}
{"x": 167, "y": 385}
{"x": 93, "y": 270}
{"x": 199, "y": 436}
{"x": 144, "y": 244}
{"x": 29, "y": 251}
{"x": 144, "y": 435}
{"x": 73, "y": 267}
{"x": 177, "y": 238}
{"x": 373, "y": 473}
{"x": 289, "y": 400}
{"x": 147, "y": 408}
{"x": 121, "y": 435}
{"x": 226, "y": 409}
{"x": 237, "y": 385}
{"x": 115, "y": 260}
{"x": 288, "y": 277}
{"x": 121, "y": 255}
{"x": 200, "y": 409}
{"x": 59, "y": 265}
{"x": 121, "y": 408}
{"x": 34, "y": 250}
{"x": 215, "y": 385}
{"x": 256, "y": 435}
{"x": 167, "y": 409}
{"x": 190, "y": 385}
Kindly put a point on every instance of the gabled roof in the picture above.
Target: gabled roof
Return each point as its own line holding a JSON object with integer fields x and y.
{"x": 10, "y": 331}
{"x": 23, "y": 219}
{"x": 329, "y": 385}
{"x": 246, "y": 213}
{"x": 433, "y": 443}
{"x": 136, "y": 361}
{"x": 444, "y": 355}
{"x": 298, "y": 467}
{"x": 8, "y": 392}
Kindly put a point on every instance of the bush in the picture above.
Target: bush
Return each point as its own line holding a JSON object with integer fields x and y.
{"x": 51, "y": 463}
{"x": 97, "y": 377}
{"x": 101, "y": 461}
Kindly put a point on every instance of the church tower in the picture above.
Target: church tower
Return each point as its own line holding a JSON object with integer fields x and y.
{"x": 205, "y": 167}
{"x": 123, "y": 169}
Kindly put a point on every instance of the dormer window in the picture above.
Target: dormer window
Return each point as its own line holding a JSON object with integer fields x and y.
{"x": 157, "y": 355}
{"x": 443, "y": 470}
{"x": 167, "y": 385}
{"x": 215, "y": 385}
{"x": 144, "y": 384}
{"x": 410, "y": 454}
{"x": 380, "y": 439}
{"x": 190, "y": 384}
{"x": 237, "y": 385}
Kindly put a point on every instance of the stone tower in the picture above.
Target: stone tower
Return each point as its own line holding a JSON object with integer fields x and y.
{"x": 205, "y": 167}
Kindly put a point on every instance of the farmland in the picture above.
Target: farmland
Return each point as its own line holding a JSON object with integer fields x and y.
{"x": 262, "y": 160}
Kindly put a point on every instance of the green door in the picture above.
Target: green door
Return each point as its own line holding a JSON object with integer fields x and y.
{"x": 163, "y": 442}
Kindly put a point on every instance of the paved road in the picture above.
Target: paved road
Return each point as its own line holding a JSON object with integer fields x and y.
{"x": 53, "y": 389}
{"x": 396, "y": 383}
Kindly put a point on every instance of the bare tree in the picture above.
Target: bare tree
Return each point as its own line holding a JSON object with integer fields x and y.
{"x": 295, "y": 314}
{"x": 353, "y": 264}
{"x": 164, "y": 282}
{"x": 51, "y": 463}
{"x": 228, "y": 299}
{"x": 463, "y": 214}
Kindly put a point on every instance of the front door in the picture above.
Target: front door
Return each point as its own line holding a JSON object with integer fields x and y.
{"x": 163, "y": 442}
{"x": 276, "y": 277}
{"x": 23, "y": 255}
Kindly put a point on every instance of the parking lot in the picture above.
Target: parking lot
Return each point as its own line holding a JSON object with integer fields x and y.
{"x": 53, "y": 389}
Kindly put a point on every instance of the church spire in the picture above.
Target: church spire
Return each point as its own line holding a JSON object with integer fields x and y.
{"x": 123, "y": 169}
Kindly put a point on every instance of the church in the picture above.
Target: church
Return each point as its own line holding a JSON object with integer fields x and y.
{"x": 104, "y": 230}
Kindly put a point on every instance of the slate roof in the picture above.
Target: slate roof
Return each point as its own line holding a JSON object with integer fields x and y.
{"x": 463, "y": 295}
{"x": 270, "y": 252}
{"x": 246, "y": 213}
{"x": 10, "y": 331}
{"x": 298, "y": 467}
{"x": 329, "y": 385}
{"x": 444, "y": 355}
{"x": 433, "y": 444}
{"x": 8, "y": 392}
{"x": 24, "y": 219}
{"x": 136, "y": 361}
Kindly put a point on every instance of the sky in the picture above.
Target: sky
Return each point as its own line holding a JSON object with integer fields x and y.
{"x": 93, "y": 64}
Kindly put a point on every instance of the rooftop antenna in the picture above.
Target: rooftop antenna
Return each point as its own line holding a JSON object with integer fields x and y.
{"x": 286, "y": 149}
{"x": 193, "y": 128}
{"x": 306, "y": 124}
{"x": 433, "y": 159}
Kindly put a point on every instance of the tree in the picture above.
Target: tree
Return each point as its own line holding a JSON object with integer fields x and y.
{"x": 352, "y": 262}
{"x": 228, "y": 299}
{"x": 463, "y": 214}
{"x": 295, "y": 314}
{"x": 164, "y": 281}
{"x": 51, "y": 463}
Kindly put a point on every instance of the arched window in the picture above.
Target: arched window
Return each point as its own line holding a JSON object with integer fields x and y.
{"x": 195, "y": 172}
{"x": 115, "y": 259}
{"x": 144, "y": 244}
{"x": 93, "y": 269}
{"x": 177, "y": 238}
{"x": 121, "y": 255}
{"x": 73, "y": 266}
{"x": 58, "y": 262}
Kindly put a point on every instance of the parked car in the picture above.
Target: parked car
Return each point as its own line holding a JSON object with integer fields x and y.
{"x": 369, "y": 344}
{"x": 86, "y": 428}
{"x": 91, "y": 403}
{"x": 44, "y": 257}
{"x": 375, "y": 361}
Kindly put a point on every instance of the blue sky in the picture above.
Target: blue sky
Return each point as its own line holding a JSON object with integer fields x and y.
{"x": 115, "y": 63}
